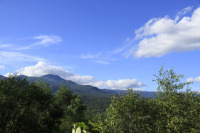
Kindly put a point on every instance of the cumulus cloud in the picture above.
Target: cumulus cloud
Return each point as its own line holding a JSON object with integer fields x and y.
{"x": 160, "y": 36}
{"x": 118, "y": 84}
{"x": 2, "y": 66}
{"x": 197, "y": 79}
{"x": 42, "y": 68}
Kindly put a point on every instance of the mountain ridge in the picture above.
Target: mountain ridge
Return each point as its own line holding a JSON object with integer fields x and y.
{"x": 55, "y": 82}
{"x": 94, "y": 98}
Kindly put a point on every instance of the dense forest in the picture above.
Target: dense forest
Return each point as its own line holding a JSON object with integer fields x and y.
{"x": 32, "y": 107}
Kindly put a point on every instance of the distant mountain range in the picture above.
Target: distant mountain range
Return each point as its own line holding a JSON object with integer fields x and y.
{"x": 55, "y": 82}
{"x": 96, "y": 100}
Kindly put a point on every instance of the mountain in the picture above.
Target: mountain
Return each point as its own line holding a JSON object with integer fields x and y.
{"x": 2, "y": 77}
{"x": 94, "y": 98}
{"x": 55, "y": 82}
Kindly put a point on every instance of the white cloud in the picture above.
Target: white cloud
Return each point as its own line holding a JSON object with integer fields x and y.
{"x": 10, "y": 57}
{"x": 47, "y": 40}
{"x": 160, "y": 36}
{"x": 183, "y": 12}
{"x": 42, "y": 68}
{"x": 2, "y": 66}
{"x": 9, "y": 74}
{"x": 118, "y": 84}
{"x": 197, "y": 79}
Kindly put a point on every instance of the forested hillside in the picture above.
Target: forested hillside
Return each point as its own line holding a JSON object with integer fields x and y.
{"x": 96, "y": 100}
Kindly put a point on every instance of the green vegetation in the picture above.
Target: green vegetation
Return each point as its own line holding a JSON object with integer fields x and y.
{"x": 172, "y": 111}
{"x": 32, "y": 107}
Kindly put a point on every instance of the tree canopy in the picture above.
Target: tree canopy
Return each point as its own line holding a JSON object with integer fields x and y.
{"x": 31, "y": 107}
{"x": 172, "y": 110}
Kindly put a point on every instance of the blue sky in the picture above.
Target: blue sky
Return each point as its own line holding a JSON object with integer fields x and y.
{"x": 109, "y": 44}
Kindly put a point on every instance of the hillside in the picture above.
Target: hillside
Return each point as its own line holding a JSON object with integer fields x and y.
{"x": 55, "y": 82}
{"x": 94, "y": 98}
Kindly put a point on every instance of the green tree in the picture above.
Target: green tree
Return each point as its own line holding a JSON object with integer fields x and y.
{"x": 175, "y": 110}
{"x": 72, "y": 108}
{"x": 127, "y": 113}
{"x": 26, "y": 107}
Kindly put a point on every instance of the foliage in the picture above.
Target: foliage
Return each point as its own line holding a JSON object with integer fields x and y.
{"x": 72, "y": 108}
{"x": 175, "y": 111}
{"x": 80, "y": 127}
{"x": 172, "y": 111}
{"x": 126, "y": 114}
{"x": 26, "y": 107}
{"x": 31, "y": 107}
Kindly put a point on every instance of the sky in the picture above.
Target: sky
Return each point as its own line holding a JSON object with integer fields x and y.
{"x": 112, "y": 44}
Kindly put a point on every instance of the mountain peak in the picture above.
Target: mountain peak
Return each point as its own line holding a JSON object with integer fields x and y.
{"x": 52, "y": 76}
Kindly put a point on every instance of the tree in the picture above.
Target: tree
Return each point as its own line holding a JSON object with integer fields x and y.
{"x": 127, "y": 113}
{"x": 72, "y": 108}
{"x": 26, "y": 107}
{"x": 175, "y": 110}
{"x": 172, "y": 110}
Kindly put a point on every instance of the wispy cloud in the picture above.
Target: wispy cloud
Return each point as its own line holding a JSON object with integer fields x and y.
{"x": 183, "y": 12}
{"x": 90, "y": 56}
{"x": 2, "y": 66}
{"x": 98, "y": 58}
{"x": 47, "y": 40}
{"x": 102, "y": 62}
{"x": 5, "y": 45}
{"x": 42, "y": 68}
{"x": 9, "y": 57}
{"x": 44, "y": 40}
{"x": 127, "y": 43}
